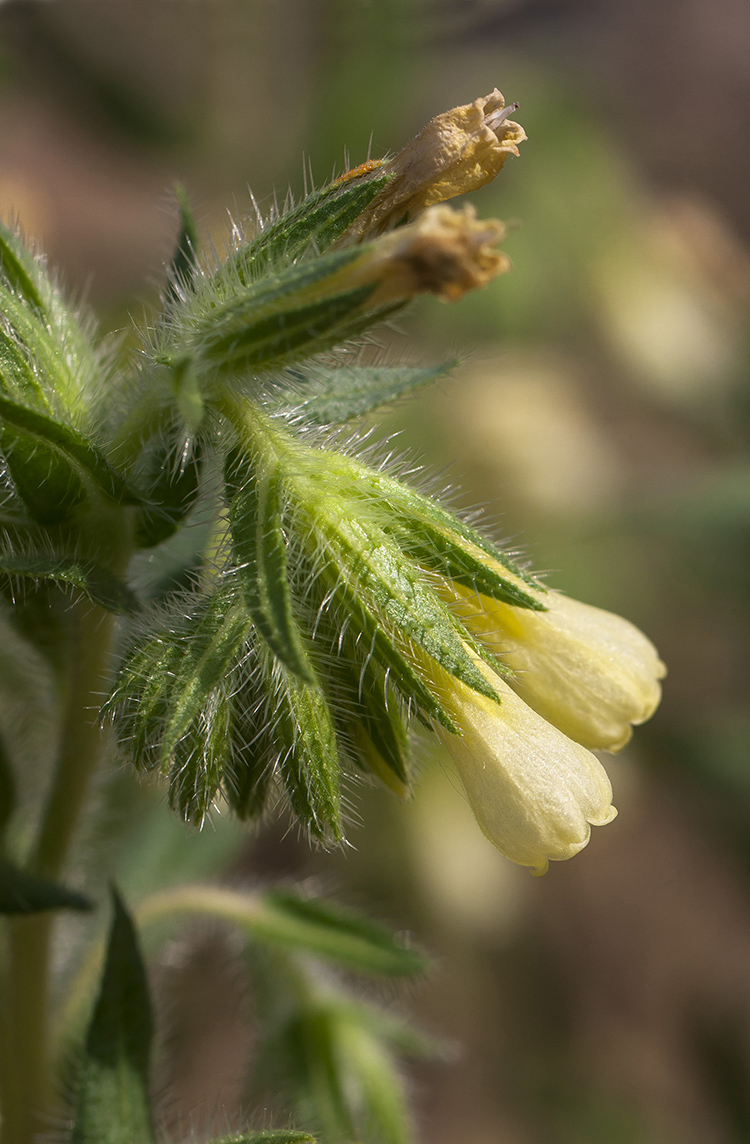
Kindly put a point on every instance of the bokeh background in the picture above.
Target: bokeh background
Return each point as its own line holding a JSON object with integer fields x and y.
{"x": 601, "y": 414}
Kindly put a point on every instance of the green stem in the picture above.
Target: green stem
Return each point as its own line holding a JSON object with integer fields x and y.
{"x": 25, "y": 1067}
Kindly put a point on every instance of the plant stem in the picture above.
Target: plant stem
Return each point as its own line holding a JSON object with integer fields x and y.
{"x": 25, "y": 1069}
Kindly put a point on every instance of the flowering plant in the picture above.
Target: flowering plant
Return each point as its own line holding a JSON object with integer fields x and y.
{"x": 318, "y": 606}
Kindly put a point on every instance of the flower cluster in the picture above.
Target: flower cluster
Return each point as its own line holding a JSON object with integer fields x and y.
{"x": 338, "y": 603}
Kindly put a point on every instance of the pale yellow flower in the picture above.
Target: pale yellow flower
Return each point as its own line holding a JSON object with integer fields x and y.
{"x": 535, "y": 793}
{"x": 589, "y": 672}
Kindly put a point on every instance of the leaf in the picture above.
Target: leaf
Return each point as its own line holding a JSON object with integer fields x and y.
{"x": 396, "y": 596}
{"x": 303, "y": 741}
{"x": 413, "y": 508}
{"x": 113, "y": 1105}
{"x": 342, "y": 394}
{"x": 196, "y": 704}
{"x": 185, "y": 258}
{"x": 48, "y": 485}
{"x": 316, "y": 223}
{"x": 70, "y": 447}
{"x": 261, "y": 550}
{"x": 19, "y": 269}
{"x": 341, "y": 935}
{"x": 288, "y": 315}
{"x": 172, "y": 489}
{"x": 8, "y": 793}
{"x": 439, "y": 552}
{"x": 24, "y": 893}
{"x": 285, "y": 731}
{"x": 100, "y": 585}
{"x": 331, "y": 591}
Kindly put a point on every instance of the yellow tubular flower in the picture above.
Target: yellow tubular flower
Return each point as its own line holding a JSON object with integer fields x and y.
{"x": 534, "y": 792}
{"x": 589, "y": 672}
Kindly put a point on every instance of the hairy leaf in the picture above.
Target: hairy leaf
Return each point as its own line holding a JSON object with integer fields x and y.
{"x": 339, "y": 395}
{"x": 316, "y": 222}
{"x": 341, "y": 935}
{"x": 113, "y": 1105}
{"x": 260, "y": 548}
{"x": 290, "y": 314}
{"x": 19, "y": 269}
{"x": 24, "y": 893}
{"x": 71, "y": 448}
{"x": 185, "y": 258}
{"x": 100, "y": 585}
{"x": 298, "y": 739}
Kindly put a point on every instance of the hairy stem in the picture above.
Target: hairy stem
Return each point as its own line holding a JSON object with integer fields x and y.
{"x": 25, "y": 1067}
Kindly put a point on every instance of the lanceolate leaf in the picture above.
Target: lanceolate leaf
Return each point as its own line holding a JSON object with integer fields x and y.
{"x": 113, "y": 1105}
{"x": 412, "y": 507}
{"x": 339, "y": 395}
{"x": 185, "y": 258}
{"x": 439, "y": 552}
{"x": 70, "y": 445}
{"x": 302, "y": 739}
{"x": 400, "y": 601}
{"x": 19, "y": 269}
{"x": 344, "y": 936}
{"x": 7, "y": 790}
{"x": 318, "y": 221}
{"x": 288, "y": 315}
{"x": 261, "y": 550}
{"x": 100, "y": 585}
{"x": 24, "y": 893}
{"x": 331, "y": 590}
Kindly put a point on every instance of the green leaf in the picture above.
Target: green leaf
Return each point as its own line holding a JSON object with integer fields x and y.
{"x": 341, "y": 935}
{"x": 19, "y": 269}
{"x": 395, "y": 594}
{"x": 261, "y": 549}
{"x": 173, "y": 488}
{"x": 185, "y": 258}
{"x": 440, "y": 552}
{"x": 342, "y": 394}
{"x": 414, "y": 509}
{"x": 113, "y": 1105}
{"x": 290, "y": 314}
{"x": 8, "y": 791}
{"x": 286, "y": 731}
{"x": 48, "y": 485}
{"x": 316, "y": 222}
{"x": 100, "y": 585}
{"x": 73, "y": 451}
{"x": 331, "y": 591}
{"x": 24, "y": 893}
{"x": 303, "y": 740}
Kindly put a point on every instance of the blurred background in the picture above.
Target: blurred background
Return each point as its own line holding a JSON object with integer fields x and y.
{"x": 601, "y": 414}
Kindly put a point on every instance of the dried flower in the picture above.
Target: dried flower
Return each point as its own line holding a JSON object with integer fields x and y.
{"x": 458, "y": 151}
{"x": 445, "y": 252}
